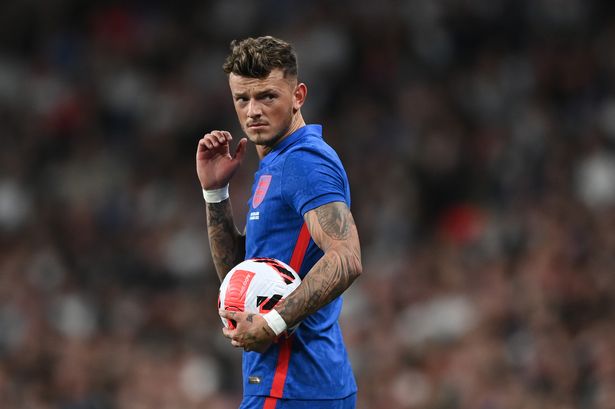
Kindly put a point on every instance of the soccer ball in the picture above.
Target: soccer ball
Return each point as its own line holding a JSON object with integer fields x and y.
{"x": 256, "y": 285}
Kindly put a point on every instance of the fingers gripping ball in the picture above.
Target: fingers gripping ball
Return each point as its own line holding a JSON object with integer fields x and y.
{"x": 256, "y": 285}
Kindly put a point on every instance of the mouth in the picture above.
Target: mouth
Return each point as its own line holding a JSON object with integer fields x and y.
{"x": 257, "y": 125}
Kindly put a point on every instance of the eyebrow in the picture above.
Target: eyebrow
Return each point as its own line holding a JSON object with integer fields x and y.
{"x": 258, "y": 94}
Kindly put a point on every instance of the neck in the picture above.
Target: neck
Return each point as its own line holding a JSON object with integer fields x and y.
{"x": 297, "y": 122}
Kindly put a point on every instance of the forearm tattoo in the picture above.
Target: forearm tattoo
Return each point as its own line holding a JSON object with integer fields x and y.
{"x": 333, "y": 229}
{"x": 226, "y": 243}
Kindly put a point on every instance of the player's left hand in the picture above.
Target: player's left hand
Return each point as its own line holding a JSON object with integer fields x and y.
{"x": 252, "y": 333}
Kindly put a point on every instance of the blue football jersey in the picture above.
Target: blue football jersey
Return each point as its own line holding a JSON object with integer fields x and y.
{"x": 301, "y": 173}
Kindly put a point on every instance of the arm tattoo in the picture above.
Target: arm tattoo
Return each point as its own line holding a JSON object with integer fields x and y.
{"x": 334, "y": 221}
{"x": 226, "y": 243}
{"x": 333, "y": 229}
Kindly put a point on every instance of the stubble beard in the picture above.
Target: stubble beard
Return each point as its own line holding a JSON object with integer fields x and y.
{"x": 269, "y": 142}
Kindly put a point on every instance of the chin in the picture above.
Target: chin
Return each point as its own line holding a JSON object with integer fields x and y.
{"x": 257, "y": 138}
{"x": 260, "y": 138}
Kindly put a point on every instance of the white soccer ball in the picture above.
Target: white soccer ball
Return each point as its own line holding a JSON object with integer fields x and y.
{"x": 256, "y": 285}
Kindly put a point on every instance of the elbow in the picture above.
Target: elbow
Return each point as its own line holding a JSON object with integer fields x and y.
{"x": 355, "y": 267}
{"x": 349, "y": 264}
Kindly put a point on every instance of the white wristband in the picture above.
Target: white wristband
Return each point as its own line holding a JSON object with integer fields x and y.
{"x": 216, "y": 195}
{"x": 275, "y": 321}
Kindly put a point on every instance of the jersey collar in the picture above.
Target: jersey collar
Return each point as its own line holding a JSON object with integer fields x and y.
{"x": 291, "y": 140}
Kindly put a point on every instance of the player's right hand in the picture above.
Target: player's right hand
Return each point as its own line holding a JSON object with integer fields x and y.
{"x": 214, "y": 164}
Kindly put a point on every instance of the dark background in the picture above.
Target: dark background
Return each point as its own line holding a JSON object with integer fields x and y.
{"x": 479, "y": 140}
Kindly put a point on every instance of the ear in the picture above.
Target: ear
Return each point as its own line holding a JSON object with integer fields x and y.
{"x": 299, "y": 96}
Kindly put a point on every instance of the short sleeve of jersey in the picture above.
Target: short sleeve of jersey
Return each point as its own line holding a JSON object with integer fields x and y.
{"x": 311, "y": 179}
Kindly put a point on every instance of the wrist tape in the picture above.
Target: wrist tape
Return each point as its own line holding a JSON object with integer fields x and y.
{"x": 275, "y": 321}
{"x": 216, "y": 195}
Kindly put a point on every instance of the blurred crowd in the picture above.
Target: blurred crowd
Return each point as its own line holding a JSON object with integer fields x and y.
{"x": 479, "y": 139}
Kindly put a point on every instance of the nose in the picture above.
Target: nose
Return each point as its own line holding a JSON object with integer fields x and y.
{"x": 254, "y": 109}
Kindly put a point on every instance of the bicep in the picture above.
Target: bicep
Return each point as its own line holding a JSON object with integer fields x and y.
{"x": 332, "y": 226}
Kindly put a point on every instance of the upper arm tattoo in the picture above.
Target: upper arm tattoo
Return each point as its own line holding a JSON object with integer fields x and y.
{"x": 330, "y": 223}
{"x": 332, "y": 228}
{"x": 334, "y": 220}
